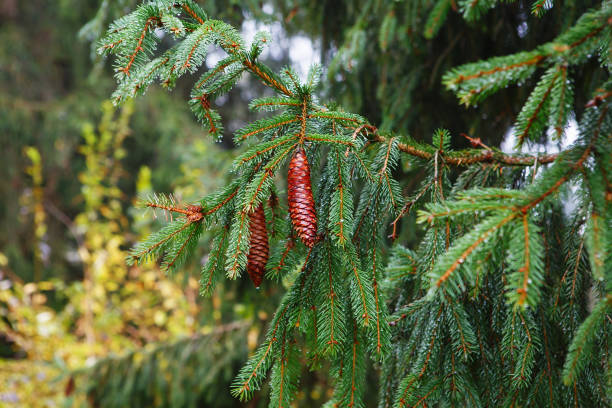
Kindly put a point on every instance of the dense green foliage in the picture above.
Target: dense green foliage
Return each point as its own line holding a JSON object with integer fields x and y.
{"x": 448, "y": 272}
{"x": 493, "y": 304}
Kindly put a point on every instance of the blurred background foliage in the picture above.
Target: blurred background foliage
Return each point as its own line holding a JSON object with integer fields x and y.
{"x": 73, "y": 167}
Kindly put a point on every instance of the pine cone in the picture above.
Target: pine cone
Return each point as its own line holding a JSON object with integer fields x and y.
{"x": 258, "y": 251}
{"x": 301, "y": 201}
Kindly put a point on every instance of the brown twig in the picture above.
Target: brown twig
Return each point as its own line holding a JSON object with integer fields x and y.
{"x": 468, "y": 157}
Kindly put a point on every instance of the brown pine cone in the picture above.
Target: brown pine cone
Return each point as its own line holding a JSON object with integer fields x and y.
{"x": 301, "y": 201}
{"x": 258, "y": 251}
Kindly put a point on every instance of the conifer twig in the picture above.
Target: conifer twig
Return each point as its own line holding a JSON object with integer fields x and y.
{"x": 467, "y": 157}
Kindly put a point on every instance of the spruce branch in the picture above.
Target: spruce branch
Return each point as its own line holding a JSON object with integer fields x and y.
{"x": 494, "y": 228}
{"x": 157, "y": 242}
{"x": 283, "y": 259}
{"x": 361, "y": 293}
{"x": 584, "y": 340}
{"x": 213, "y": 268}
{"x": 520, "y": 343}
{"x": 525, "y": 282}
{"x": 331, "y": 305}
{"x": 349, "y": 382}
{"x": 238, "y": 246}
{"x": 562, "y": 98}
{"x": 259, "y": 152}
{"x": 264, "y": 125}
{"x": 381, "y": 329}
{"x": 148, "y": 23}
{"x": 219, "y": 200}
{"x": 464, "y": 338}
{"x": 285, "y": 374}
{"x": 193, "y": 9}
{"x": 532, "y": 119}
{"x": 184, "y": 245}
{"x": 252, "y": 374}
{"x": 266, "y": 76}
{"x": 475, "y": 81}
{"x": 216, "y": 71}
{"x": 475, "y": 242}
{"x": 340, "y": 220}
{"x": 469, "y": 157}
{"x": 412, "y": 380}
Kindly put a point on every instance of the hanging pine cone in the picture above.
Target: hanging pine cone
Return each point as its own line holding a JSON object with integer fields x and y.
{"x": 258, "y": 251}
{"x": 301, "y": 201}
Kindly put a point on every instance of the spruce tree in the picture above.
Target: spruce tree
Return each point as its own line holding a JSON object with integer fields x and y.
{"x": 506, "y": 298}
